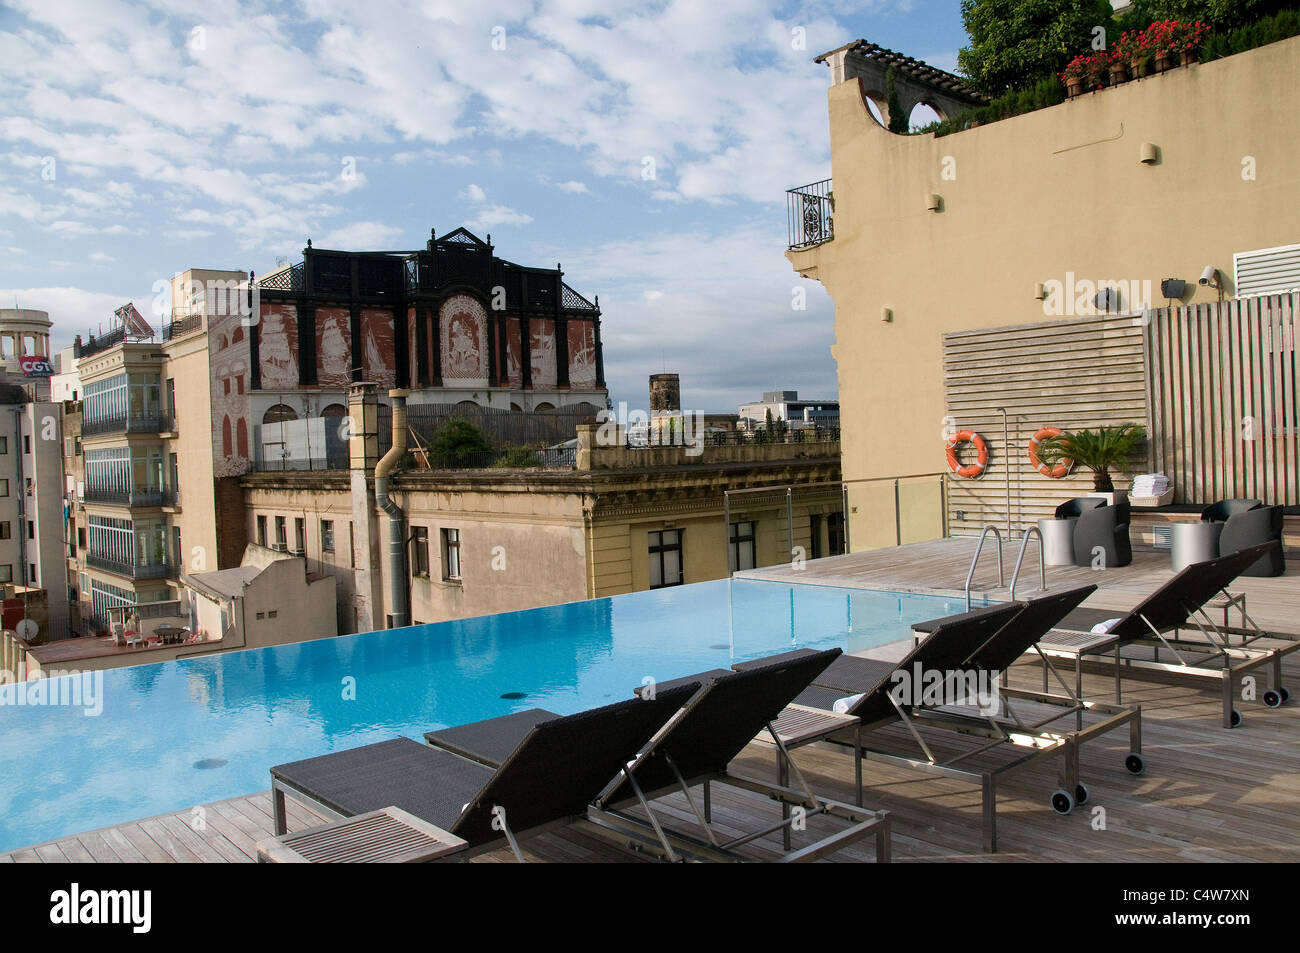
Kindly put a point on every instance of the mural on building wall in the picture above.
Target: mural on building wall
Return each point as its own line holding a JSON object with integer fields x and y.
{"x": 514, "y": 368}
{"x": 542, "y": 352}
{"x": 228, "y": 357}
{"x": 463, "y": 323}
{"x": 278, "y": 347}
{"x": 582, "y": 354}
{"x": 333, "y": 360}
{"x": 378, "y": 362}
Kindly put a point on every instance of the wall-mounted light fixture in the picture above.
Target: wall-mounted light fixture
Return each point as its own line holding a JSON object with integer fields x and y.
{"x": 933, "y": 202}
{"x": 1040, "y": 290}
{"x": 886, "y": 314}
{"x": 1150, "y": 153}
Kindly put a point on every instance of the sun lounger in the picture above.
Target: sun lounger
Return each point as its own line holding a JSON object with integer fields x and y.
{"x": 696, "y": 748}
{"x": 557, "y": 768}
{"x": 1158, "y": 624}
{"x": 971, "y": 650}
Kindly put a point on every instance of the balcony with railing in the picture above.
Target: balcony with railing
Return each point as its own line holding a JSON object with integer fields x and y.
{"x": 140, "y": 497}
{"x": 809, "y": 215}
{"x": 130, "y": 570}
{"x": 182, "y": 325}
{"x": 128, "y": 423}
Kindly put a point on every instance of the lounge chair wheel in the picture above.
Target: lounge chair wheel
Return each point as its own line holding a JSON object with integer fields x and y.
{"x": 1286, "y": 693}
{"x": 1135, "y": 763}
{"x": 1235, "y": 719}
{"x": 1272, "y": 699}
{"x": 1062, "y": 803}
{"x": 1081, "y": 794}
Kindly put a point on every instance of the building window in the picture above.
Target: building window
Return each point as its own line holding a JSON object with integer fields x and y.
{"x": 327, "y": 536}
{"x": 419, "y": 551}
{"x": 271, "y": 614}
{"x": 352, "y": 547}
{"x": 4, "y": 487}
{"x": 281, "y": 533}
{"x": 31, "y": 577}
{"x": 4, "y": 444}
{"x": 31, "y": 530}
{"x": 451, "y": 554}
{"x": 7, "y": 572}
{"x": 299, "y": 535}
{"x": 81, "y": 537}
{"x": 5, "y": 531}
{"x": 261, "y": 531}
{"x": 815, "y": 536}
{"x": 740, "y": 553}
{"x": 666, "y": 558}
{"x": 27, "y": 444}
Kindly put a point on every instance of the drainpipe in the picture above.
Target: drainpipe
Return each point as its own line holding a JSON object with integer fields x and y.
{"x": 397, "y": 595}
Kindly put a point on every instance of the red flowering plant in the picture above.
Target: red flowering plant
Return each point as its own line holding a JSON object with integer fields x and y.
{"x": 1091, "y": 71}
{"x": 1133, "y": 46}
{"x": 1170, "y": 37}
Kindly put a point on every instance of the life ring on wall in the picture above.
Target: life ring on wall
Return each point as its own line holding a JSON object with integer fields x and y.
{"x": 970, "y": 470}
{"x": 1053, "y": 473}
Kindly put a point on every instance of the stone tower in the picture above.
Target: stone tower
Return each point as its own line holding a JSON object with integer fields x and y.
{"x": 665, "y": 395}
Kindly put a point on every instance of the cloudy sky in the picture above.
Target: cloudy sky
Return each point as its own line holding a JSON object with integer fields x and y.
{"x": 644, "y": 146}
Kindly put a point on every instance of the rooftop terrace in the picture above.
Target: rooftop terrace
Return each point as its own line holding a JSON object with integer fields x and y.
{"x": 1208, "y": 794}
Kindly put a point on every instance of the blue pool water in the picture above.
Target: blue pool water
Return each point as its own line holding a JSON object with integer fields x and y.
{"x": 177, "y": 734}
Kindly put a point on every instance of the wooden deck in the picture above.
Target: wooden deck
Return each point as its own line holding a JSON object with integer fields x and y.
{"x": 1209, "y": 794}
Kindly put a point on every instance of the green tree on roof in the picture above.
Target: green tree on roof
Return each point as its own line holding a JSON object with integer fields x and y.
{"x": 898, "y": 120}
{"x": 1015, "y": 42}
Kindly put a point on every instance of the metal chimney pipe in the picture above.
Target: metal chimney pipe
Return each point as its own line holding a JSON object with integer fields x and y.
{"x": 397, "y": 592}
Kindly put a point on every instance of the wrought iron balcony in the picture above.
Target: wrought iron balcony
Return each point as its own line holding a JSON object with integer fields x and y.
{"x": 130, "y": 570}
{"x": 809, "y": 217}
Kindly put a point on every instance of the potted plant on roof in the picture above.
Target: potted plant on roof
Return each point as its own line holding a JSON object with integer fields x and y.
{"x": 1118, "y": 68}
{"x": 1133, "y": 48}
{"x": 1101, "y": 451}
{"x": 1161, "y": 38}
{"x": 1074, "y": 76}
{"x": 1187, "y": 39}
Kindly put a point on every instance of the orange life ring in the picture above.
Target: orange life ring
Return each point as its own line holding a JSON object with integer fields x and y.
{"x": 970, "y": 470}
{"x": 1056, "y": 472}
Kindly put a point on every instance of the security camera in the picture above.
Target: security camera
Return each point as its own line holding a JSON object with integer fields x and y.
{"x": 1210, "y": 276}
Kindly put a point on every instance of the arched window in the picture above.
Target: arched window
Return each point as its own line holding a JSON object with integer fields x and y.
{"x": 225, "y": 436}
{"x": 278, "y": 414}
{"x": 334, "y": 410}
{"x": 241, "y": 436}
{"x": 237, "y": 336}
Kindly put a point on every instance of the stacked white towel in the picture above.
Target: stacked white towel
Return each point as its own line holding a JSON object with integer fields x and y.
{"x": 1149, "y": 484}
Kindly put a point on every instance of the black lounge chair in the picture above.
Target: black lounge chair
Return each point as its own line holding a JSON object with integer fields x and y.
{"x": 1180, "y": 604}
{"x": 558, "y": 766}
{"x": 696, "y": 747}
{"x": 966, "y": 649}
{"x": 1263, "y": 524}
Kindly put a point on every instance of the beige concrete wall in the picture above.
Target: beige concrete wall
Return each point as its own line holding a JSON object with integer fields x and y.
{"x": 1029, "y": 200}
{"x": 290, "y": 608}
{"x": 188, "y": 367}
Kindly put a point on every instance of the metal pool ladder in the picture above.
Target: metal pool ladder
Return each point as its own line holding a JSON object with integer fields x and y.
{"x": 1020, "y": 558}
{"x": 989, "y": 528}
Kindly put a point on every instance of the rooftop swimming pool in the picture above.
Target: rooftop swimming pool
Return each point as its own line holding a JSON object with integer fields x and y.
{"x": 177, "y": 734}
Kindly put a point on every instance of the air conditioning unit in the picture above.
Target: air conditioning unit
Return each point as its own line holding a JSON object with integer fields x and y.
{"x": 279, "y": 547}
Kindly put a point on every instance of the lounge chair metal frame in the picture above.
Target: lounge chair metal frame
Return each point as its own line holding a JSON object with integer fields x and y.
{"x": 1215, "y": 645}
{"x": 613, "y": 822}
{"x": 1032, "y": 741}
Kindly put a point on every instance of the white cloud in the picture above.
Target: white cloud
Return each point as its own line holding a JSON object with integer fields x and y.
{"x": 577, "y": 188}
{"x": 374, "y": 236}
{"x": 102, "y": 257}
{"x": 474, "y": 193}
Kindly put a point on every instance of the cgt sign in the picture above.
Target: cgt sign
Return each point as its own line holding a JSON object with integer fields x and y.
{"x": 35, "y": 366}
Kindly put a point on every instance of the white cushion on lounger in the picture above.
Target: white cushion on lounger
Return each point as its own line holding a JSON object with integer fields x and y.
{"x": 1101, "y": 628}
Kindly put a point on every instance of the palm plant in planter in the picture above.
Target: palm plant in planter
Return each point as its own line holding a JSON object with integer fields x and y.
{"x": 1100, "y": 450}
